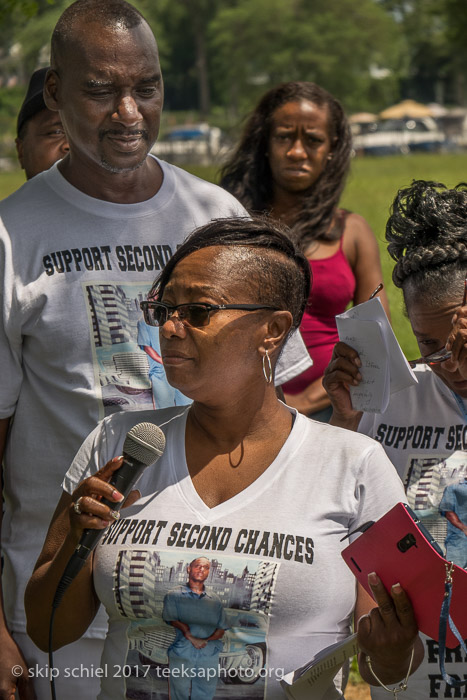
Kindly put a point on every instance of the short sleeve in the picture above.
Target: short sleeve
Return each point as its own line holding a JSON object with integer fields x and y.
{"x": 91, "y": 456}
{"x": 11, "y": 340}
{"x": 448, "y": 501}
{"x": 141, "y": 333}
{"x": 169, "y": 611}
{"x": 378, "y": 487}
{"x": 107, "y": 439}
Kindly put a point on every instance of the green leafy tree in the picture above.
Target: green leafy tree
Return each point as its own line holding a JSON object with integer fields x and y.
{"x": 20, "y": 9}
{"x": 434, "y": 32}
{"x": 456, "y": 33}
{"x": 258, "y": 43}
{"x": 22, "y": 38}
{"x": 183, "y": 28}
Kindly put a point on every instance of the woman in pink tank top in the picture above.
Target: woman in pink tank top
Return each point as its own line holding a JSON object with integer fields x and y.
{"x": 291, "y": 162}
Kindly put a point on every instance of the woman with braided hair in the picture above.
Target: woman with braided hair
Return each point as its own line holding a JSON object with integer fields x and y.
{"x": 424, "y": 429}
{"x": 292, "y": 162}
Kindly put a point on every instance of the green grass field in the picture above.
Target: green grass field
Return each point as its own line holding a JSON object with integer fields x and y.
{"x": 370, "y": 190}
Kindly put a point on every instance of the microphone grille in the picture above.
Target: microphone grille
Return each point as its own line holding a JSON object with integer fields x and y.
{"x": 145, "y": 442}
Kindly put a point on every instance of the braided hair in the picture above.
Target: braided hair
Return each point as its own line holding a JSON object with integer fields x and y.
{"x": 427, "y": 237}
{"x": 248, "y": 177}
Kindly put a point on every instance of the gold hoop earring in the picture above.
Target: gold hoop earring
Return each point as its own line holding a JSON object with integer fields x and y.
{"x": 267, "y": 370}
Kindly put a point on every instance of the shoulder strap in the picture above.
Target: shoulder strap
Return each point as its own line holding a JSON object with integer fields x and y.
{"x": 342, "y": 215}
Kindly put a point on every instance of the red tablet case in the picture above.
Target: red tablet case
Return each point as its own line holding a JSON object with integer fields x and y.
{"x": 420, "y": 570}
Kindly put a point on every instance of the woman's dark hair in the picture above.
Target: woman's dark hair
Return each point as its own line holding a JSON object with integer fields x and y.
{"x": 427, "y": 236}
{"x": 277, "y": 273}
{"x": 248, "y": 177}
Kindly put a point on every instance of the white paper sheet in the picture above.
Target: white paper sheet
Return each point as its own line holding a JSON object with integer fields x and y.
{"x": 384, "y": 370}
{"x": 315, "y": 681}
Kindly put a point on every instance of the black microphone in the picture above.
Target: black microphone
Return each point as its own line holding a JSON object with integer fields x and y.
{"x": 143, "y": 445}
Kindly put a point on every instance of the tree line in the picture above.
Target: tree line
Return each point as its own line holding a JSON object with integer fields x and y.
{"x": 218, "y": 56}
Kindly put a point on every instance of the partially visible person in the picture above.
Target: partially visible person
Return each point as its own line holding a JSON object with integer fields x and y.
{"x": 40, "y": 136}
{"x": 199, "y": 618}
{"x": 424, "y": 428}
{"x": 162, "y": 393}
{"x": 292, "y": 161}
{"x": 244, "y": 480}
{"x": 453, "y": 507}
{"x": 79, "y": 247}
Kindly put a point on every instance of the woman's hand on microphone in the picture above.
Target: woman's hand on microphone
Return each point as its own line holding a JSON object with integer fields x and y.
{"x": 83, "y": 509}
{"x": 74, "y": 513}
{"x": 87, "y": 498}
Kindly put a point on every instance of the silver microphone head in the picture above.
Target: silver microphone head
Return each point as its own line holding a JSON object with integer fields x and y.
{"x": 145, "y": 442}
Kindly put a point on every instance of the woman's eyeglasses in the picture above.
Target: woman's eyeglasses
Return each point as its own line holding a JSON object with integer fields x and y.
{"x": 195, "y": 315}
{"x": 434, "y": 359}
{"x": 440, "y": 355}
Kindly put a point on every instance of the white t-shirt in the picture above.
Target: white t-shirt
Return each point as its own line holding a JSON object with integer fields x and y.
{"x": 424, "y": 434}
{"x": 73, "y": 270}
{"x": 274, "y": 551}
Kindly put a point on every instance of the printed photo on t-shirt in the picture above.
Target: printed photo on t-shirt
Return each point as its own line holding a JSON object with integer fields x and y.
{"x": 437, "y": 492}
{"x": 128, "y": 366}
{"x": 197, "y": 624}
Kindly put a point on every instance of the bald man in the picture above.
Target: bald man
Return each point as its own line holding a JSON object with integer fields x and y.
{"x": 80, "y": 246}
{"x": 198, "y": 617}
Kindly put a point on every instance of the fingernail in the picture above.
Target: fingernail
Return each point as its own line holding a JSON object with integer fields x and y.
{"x": 116, "y": 459}
{"x": 396, "y": 588}
{"x": 373, "y": 579}
{"x": 358, "y": 362}
{"x": 115, "y": 514}
{"x": 117, "y": 496}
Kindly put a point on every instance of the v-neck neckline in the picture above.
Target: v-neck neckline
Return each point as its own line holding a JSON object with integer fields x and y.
{"x": 188, "y": 492}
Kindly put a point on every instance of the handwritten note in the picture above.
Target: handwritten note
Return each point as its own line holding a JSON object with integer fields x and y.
{"x": 321, "y": 678}
{"x": 372, "y": 394}
{"x": 384, "y": 370}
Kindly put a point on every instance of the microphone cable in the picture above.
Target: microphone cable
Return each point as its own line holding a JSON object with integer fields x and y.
{"x": 144, "y": 445}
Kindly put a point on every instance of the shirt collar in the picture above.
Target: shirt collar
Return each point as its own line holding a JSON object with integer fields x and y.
{"x": 186, "y": 590}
